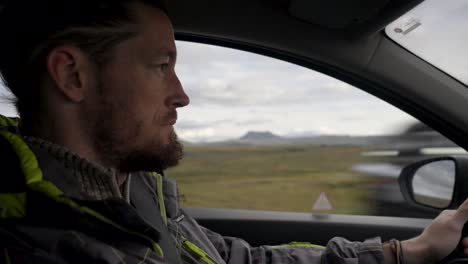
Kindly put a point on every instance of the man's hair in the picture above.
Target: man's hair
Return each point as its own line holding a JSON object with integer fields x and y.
{"x": 31, "y": 29}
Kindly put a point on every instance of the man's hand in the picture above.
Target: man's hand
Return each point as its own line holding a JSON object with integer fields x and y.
{"x": 439, "y": 239}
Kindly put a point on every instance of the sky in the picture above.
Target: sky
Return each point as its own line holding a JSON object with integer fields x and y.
{"x": 233, "y": 92}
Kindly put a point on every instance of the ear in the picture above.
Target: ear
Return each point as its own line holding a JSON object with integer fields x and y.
{"x": 71, "y": 71}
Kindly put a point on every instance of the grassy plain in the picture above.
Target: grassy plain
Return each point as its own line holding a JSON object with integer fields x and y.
{"x": 277, "y": 178}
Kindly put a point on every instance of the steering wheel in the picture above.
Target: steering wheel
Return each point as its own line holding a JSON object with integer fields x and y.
{"x": 454, "y": 259}
{"x": 456, "y": 256}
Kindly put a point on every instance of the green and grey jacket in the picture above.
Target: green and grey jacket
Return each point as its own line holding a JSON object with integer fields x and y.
{"x": 56, "y": 207}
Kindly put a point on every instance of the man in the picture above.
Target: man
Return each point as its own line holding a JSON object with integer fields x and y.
{"x": 82, "y": 172}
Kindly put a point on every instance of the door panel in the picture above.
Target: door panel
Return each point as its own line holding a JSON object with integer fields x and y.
{"x": 274, "y": 228}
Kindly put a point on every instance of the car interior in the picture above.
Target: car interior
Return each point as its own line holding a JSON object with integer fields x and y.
{"x": 343, "y": 39}
{"x": 346, "y": 40}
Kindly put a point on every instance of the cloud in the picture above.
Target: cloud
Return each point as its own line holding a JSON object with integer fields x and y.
{"x": 253, "y": 122}
{"x": 198, "y": 124}
{"x": 219, "y": 76}
{"x": 205, "y": 134}
{"x": 267, "y": 89}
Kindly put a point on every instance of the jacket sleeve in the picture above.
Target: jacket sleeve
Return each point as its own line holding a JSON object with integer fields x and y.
{"x": 14, "y": 250}
{"x": 337, "y": 251}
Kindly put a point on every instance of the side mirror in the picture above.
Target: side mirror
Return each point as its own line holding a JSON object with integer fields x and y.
{"x": 437, "y": 184}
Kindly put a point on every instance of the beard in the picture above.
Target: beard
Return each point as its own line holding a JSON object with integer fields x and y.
{"x": 157, "y": 159}
{"x": 119, "y": 138}
{"x": 120, "y": 151}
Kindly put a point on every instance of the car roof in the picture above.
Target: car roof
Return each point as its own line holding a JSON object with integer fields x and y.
{"x": 327, "y": 29}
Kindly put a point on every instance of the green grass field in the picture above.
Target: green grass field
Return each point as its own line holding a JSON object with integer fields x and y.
{"x": 272, "y": 178}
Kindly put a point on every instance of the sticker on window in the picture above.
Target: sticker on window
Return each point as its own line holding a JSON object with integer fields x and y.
{"x": 322, "y": 203}
{"x": 409, "y": 25}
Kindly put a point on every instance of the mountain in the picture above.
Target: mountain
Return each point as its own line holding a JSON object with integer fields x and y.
{"x": 402, "y": 142}
{"x": 264, "y": 135}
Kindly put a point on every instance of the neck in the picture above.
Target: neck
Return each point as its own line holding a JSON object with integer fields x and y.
{"x": 121, "y": 178}
{"x": 90, "y": 180}
{"x": 72, "y": 136}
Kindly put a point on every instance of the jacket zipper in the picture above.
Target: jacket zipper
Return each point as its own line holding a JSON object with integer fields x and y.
{"x": 198, "y": 252}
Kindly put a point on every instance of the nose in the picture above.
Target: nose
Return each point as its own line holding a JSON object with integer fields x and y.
{"x": 180, "y": 98}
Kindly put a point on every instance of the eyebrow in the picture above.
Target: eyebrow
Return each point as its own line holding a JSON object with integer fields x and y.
{"x": 172, "y": 54}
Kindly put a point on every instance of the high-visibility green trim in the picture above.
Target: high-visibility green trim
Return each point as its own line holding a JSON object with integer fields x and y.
{"x": 299, "y": 244}
{"x": 28, "y": 161}
{"x": 9, "y": 121}
{"x": 198, "y": 252}
{"x": 29, "y": 165}
{"x": 162, "y": 206}
{"x": 12, "y": 205}
{"x": 7, "y": 257}
{"x": 34, "y": 180}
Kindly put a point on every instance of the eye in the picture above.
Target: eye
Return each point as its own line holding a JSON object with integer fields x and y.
{"x": 164, "y": 67}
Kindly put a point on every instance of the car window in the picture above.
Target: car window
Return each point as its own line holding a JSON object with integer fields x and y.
{"x": 6, "y": 101}
{"x": 436, "y": 32}
{"x": 264, "y": 134}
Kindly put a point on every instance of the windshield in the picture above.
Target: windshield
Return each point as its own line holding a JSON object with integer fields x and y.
{"x": 437, "y": 32}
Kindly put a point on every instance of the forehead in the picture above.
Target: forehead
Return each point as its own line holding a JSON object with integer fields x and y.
{"x": 155, "y": 29}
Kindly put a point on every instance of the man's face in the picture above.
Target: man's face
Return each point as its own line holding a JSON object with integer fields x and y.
{"x": 137, "y": 97}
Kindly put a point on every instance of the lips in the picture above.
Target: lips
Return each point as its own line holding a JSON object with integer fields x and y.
{"x": 172, "y": 122}
{"x": 170, "y": 119}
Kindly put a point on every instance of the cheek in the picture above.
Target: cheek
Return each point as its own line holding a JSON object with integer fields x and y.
{"x": 135, "y": 97}
{"x": 150, "y": 92}
{"x": 140, "y": 91}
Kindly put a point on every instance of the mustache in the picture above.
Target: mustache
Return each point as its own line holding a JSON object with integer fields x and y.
{"x": 169, "y": 117}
